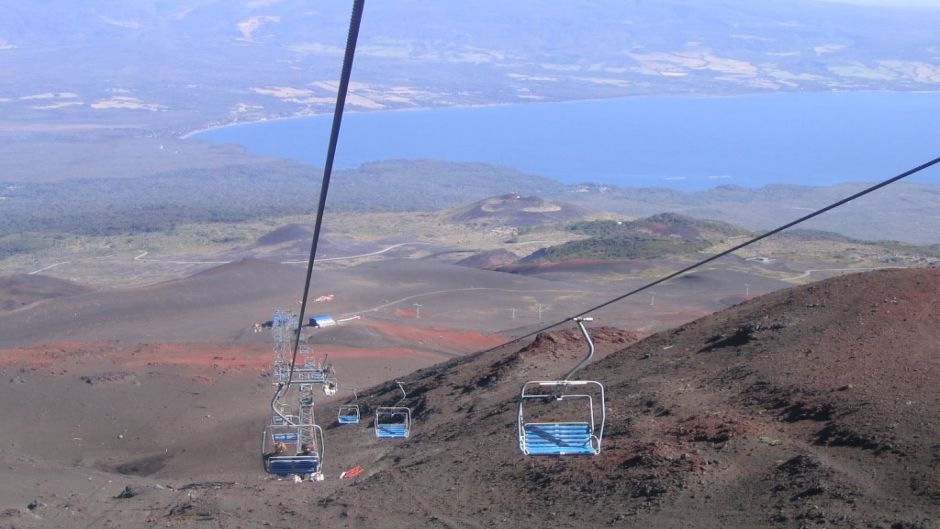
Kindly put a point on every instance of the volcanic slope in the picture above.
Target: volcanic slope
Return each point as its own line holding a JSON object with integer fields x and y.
{"x": 812, "y": 406}
{"x": 198, "y": 308}
{"x": 20, "y": 290}
{"x": 222, "y": 303}
{"x": 292, "y": 242}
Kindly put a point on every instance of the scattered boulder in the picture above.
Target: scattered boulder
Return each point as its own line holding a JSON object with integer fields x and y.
{"x": 129, "y": 492}
{"x": 110, "y": 377}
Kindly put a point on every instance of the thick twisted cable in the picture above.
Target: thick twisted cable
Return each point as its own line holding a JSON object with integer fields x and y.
{"x": 352, "y": 38}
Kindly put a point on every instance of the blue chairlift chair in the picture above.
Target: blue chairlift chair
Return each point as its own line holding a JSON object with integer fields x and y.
{"x": 349, "y": 413}
{"x": 294, "y": 436}
{"x": 581, "y": 436}
{"x": 393, "y": 422}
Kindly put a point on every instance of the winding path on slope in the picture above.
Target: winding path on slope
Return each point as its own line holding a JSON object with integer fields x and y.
{"x": 467, "y": 289}
{"x": 807, "y": 273}
{"x": 43, "y": 269}
{"x": 370, "y": 254}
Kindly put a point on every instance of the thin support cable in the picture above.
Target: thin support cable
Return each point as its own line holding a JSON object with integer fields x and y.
{"x": 733, "y": 249}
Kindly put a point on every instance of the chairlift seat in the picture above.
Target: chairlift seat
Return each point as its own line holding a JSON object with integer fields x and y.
{"x": 284, "y": 465}
{"x": 564, "y": 437}
{"x": 392, "y": 431}
{"x": 348, "y": 419}
{"x": 558, "y": 438}
{"x": 348, "y": 414}
{"x": 393, "y": 422}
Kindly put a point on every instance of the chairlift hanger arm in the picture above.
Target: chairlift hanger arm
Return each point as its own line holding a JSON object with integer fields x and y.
{"x": 274, "y": 406}
{"x": 403, "y": 394}
{"x": 590, "y": 351}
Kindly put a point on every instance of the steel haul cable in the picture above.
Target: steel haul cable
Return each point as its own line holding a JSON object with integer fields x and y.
{"x": 352, "y": 38}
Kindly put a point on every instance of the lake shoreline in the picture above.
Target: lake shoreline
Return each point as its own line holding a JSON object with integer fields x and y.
{"x": 196, "y": 132}
{"x": 675, "y": 142}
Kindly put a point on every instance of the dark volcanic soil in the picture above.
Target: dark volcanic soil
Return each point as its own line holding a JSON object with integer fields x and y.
{"x": 811, "y": 407}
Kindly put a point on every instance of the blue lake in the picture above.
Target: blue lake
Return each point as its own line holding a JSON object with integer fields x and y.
{"x": 680, "y": 142}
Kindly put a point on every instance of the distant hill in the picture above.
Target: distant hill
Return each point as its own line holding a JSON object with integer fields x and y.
{"x": 904, "y": 211}
{"x": 673, "y": 234}
{"x": 614, "y": 248}
{"x": 19, "y": 290}
{"x": 285, "y": 234}
{"x": 490, "y": 260}
{"x": 226, "y": 298}
{"x": 656, "y": 236}
{"x": 660, "y": 225}
{"x": 930, "y": 250}
{"x": 518, "y": 211}
{"x": 284, "y": 242}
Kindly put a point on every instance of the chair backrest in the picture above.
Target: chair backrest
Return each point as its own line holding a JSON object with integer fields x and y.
{"x": 391, "y": 431}
{"x": 563, "y": 438}
{"x": 284, "y": 465}
{"x": 580, "y": 435}
{"x": 285, "y": 437}
{"x": 348, "y": 414}
{"x": 392, "y": 422}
